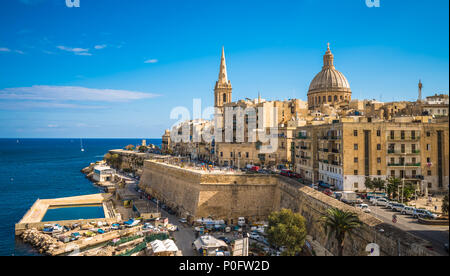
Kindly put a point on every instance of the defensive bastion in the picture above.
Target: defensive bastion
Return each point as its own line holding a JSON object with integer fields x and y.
{"x": 227, "y": 196}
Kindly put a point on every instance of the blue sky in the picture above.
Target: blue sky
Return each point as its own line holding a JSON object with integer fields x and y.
{"x": 116, "y": 68}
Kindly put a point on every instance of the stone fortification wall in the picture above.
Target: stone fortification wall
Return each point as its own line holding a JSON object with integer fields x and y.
{"x": 198, "y": 194}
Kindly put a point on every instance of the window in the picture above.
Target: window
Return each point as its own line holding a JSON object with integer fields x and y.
{"x": 392, "y": 134}
{"x": 413, "y": 134}
{"x": 430, "y": 185}
{"x": 355, "y": 146}
{"x": 428, "y": 147}
{"x": 355, "y": 172}
{"x": 221, "y": 154}
{"x": 428, "y": 160}
{"x": 392, "y": 173}
{"x": 378, "y": 146}
{"x": 402, "y": 135}
{"x": 403, "y": 148}
{"x": 246, "y": 154}
{"x": 355, "y": 160}
{"x": 239, "y": 154}
{"x": 378, "y": 160}
{"x": 428, "y": 134}
{"x": 378, "y": 133}
{"x": 224, "y": 98}
{"x": 429, "y": 172}
{"x": 413, "y": 148}
{"x": 355, "y": 185}
{"x": 378, "y": 172}
{"x": 231, "y": 154}
{"x": 329, "y": 99}
{"x": 355, "y": 133}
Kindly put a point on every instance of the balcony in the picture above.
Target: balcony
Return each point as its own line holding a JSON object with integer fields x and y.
{"x": 404, "y": 153}
{"x": 335, "y": 150}
{"x": 403, "y": 138}
{"x": 302, "y": 137}
{"x": 404, "y": 165}
{"x": 305, "y": 148}
{"x": 305, "y": 157}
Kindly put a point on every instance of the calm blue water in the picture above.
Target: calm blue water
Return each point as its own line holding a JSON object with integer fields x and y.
{"x": 44, "y": 168}
{"x": 74, "y": 213}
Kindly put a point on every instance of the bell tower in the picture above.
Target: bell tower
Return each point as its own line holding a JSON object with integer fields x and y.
{"x": 222, "y": 90}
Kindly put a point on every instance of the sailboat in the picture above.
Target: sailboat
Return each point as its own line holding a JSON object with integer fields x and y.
{"x": 81, "y": 141}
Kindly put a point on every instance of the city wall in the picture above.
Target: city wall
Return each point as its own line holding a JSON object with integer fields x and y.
{"x": 198, "y": 194}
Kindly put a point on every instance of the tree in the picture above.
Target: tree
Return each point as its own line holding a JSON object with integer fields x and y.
{"x": 340, "y": 224}
{"x": 369, "y": 184}
{"x": 392, "y": 187}
{"x": 445, "y": 205}
{"x": 142, "y": 149}
{"x": 378, "y": 183}
{"x": 129, "y": 147}
{"x": 287, "y": 229}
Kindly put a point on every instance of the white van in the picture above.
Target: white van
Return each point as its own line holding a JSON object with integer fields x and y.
{"x": 241, "y": 221}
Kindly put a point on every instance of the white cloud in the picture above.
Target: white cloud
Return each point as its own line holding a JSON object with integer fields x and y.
{"x": 99, "y": 47}
{"x": 151, "y": 61}
{"x": 19, "y": 52}
{"x": 83, "y": 54}
{"x": 52, "y": 126}
{"x": 5, "y": 50}
{"x": 71, "y": 93}
{"x": 76, "y": 51}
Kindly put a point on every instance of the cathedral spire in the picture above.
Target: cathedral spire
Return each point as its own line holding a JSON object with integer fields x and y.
{"x": 223, "y": 78}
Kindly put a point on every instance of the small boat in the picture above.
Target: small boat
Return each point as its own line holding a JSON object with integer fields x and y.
{"x": 81, "y": 142}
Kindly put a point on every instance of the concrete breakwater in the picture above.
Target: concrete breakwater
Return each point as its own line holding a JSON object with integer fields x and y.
{"x": 46, "y": 244}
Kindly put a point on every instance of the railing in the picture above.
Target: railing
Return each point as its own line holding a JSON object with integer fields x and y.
{"x": 404, "y": 165}
{"x": 404, "y": 138}
{"x": 302, "y": 137}
{"x": 400, "y": 152}
{"x": 335, "y": 150}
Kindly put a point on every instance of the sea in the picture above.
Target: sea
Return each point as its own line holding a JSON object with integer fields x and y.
{"x": 45, "y": 168}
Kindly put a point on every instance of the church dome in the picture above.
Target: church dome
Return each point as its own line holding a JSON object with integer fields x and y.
{"x": 329, "y": 79}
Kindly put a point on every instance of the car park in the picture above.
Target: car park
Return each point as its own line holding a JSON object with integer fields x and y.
{"x": 398, "y": 207}
{"x": 408, "y": 210}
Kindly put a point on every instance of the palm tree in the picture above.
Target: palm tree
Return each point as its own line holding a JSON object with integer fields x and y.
{"x": 340, "y": 223}
{"x": 393, "y": 186}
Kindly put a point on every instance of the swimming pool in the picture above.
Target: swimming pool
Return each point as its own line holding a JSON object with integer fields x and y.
{"x": 74, "y": 213}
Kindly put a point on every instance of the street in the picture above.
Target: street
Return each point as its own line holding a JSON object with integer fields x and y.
{"x": 436, "y": 235}
{"x": 185, "y": 235}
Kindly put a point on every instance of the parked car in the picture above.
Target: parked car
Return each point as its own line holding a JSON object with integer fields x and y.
{"x": 373, "y": 199}
{"x": 364, "y": 207}
{"x": 225, "y": 239}
{"x": 182, "y": 220}
{"x": 389, "y": 206}
{"x": 254, "y": 236}
{"x": 408, "y": 210}
{"x": 422, "y": 213}
{"x": 286, "y": 172}
{"x": 398, "y": 207}
{"x": 381, "y": 202}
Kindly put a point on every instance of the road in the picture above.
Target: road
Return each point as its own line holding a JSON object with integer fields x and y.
{"x": 436, "y": 235}
{"x": 185, "y": 235}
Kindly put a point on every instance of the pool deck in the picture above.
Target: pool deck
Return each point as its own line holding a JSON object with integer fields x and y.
{"x": 34, "y": 216}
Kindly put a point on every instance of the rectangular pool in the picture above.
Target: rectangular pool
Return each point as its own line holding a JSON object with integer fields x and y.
{"x": 74, "y": 213}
